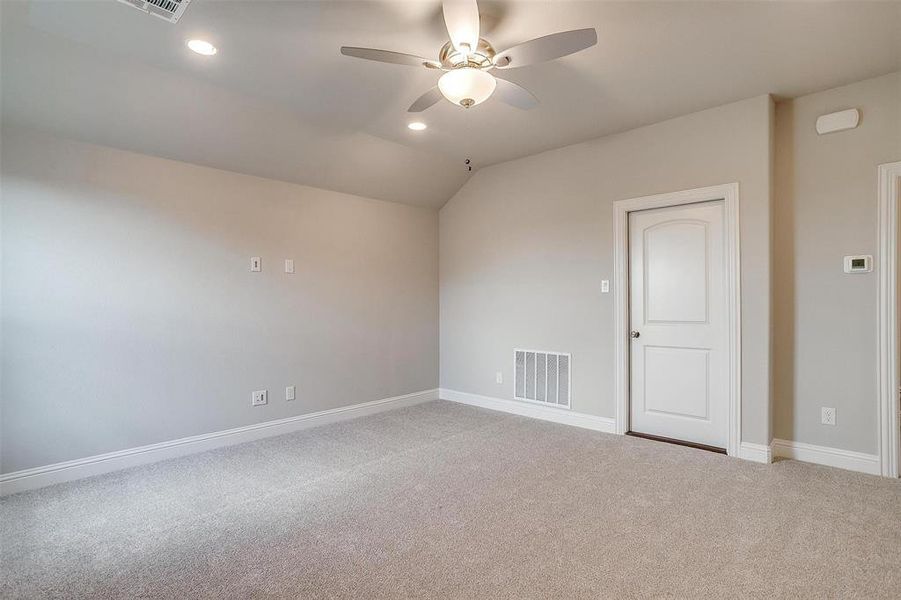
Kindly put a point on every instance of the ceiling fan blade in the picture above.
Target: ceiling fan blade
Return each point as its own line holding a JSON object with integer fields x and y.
{"x": 426, "y": 100}
{"x": 514, "y": 94}
{"x": 387, "y": 56}
{"x": 462, "y": 20}
{"x": 545, "y": 48}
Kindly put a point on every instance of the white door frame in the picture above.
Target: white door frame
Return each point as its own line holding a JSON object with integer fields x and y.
{"x": 889, "y": 379}
{"x": 728, "y": 193}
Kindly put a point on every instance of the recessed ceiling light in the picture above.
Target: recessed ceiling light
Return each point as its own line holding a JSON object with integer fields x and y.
{"x": 202, "y": 47}
{"x": 417, "y": 126}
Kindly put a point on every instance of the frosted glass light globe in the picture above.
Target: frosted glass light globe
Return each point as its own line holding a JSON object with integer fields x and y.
{"x": 467, "y": 86}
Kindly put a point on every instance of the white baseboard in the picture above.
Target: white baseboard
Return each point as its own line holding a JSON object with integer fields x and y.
{"x": 755, "y": 452}
{"x": 536, "y": 411}
{"x": 760, "y": 453}
{"x": 37, "y": 477}
{"x": 831, "y": 457}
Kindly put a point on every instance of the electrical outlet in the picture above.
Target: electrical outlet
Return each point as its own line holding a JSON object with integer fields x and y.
{"x": 289, "y": 393}
{"x": 827, "y": 416}
{"x": 499, "y": 377}
{"x": 256, "y": 264}
{"x": 289, "y": 265}
{"x": 605, "y": 286}
{"x": 259, "y": 398}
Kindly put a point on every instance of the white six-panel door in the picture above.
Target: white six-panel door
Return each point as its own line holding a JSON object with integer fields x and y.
{"x": 678, "y": 354}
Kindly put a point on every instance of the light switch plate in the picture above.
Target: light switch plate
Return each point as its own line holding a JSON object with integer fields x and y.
{"x": 605, "y": 286}
{"x": 499, "y": 377}
{"x": 289, "y": 393}
{"x": 289, "y": 265}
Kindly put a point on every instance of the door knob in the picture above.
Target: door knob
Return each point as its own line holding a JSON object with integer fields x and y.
{"x": 635, "y": 334}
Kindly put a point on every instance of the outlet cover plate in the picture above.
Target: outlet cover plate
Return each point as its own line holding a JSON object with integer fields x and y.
{"x": 827, "y": 415}
{"x": 259, "y": 398}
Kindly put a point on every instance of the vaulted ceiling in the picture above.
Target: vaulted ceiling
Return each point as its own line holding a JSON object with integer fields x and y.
{"x": 280, "y": 101}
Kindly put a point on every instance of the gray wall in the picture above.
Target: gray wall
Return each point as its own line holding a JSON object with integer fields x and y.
{"x": 825, "y": 208}
{"x": 130, "y": 316}
{"x": 525, "y": 244}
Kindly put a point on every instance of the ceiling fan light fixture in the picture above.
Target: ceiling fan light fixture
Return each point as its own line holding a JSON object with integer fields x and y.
{"x": 467, "y": 57}
{"x": 467, "y": 86}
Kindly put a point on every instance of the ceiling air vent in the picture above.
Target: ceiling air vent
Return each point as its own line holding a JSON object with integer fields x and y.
{"x": 171, "y": 10}
{"x": 542, "y": 377}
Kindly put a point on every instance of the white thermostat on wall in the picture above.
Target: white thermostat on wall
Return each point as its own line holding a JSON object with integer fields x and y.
{"x": 858, "y": 264}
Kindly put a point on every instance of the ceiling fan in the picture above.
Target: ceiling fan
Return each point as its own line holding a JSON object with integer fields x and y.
{"x": 467, "y": 59}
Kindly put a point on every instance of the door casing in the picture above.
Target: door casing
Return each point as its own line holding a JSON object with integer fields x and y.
{"x": 887, "y": 324}
{"x": 728, "y": 193}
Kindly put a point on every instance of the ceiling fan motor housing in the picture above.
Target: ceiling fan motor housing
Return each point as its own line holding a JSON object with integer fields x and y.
{"x": 480, "y": 58}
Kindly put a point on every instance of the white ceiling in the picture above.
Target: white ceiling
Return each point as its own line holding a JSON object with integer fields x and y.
{"x": 280, "y": 101}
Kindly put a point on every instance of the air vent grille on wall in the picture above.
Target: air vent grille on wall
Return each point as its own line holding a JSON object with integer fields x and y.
{"x": 541, "y": 376}
{"x": 171, "y": 10}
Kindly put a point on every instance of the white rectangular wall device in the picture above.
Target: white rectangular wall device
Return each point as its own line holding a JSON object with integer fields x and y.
{"x": 838, "y": 121}
{"x": 858, "y": 264}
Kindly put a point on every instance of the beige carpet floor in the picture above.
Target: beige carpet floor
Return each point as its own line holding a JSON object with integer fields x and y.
{"x": 447, "y": 501}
